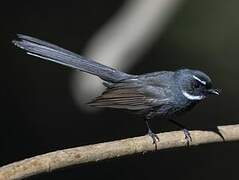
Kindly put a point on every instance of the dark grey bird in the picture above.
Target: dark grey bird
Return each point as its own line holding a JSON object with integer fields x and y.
{"x": 163, "y": 94}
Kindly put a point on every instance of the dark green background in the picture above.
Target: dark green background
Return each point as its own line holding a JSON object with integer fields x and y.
{"x": 38, "y": 113}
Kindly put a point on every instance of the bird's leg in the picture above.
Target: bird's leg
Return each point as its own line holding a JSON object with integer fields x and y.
{"x": 185, "y": 130}
{"x": 150, "y": 133}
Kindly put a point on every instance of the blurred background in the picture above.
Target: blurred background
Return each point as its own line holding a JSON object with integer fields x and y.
{"x": 41, "y": 102}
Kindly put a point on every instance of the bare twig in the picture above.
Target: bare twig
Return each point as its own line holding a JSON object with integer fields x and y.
{"x": 93, "y": 153}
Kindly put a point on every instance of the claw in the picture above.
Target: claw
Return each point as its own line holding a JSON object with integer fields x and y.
{"x": 153, "y": 136}
{"x": 187, "y": 136}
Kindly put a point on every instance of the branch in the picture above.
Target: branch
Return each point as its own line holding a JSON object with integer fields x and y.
{"x": 108, "y": 150}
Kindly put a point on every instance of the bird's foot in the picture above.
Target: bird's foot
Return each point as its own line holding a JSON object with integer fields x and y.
{"x": 187, "y": 136}
{"x": 154, "y": 137}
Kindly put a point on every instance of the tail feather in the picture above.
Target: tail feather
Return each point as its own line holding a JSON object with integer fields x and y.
{"x": 51, "y": 52}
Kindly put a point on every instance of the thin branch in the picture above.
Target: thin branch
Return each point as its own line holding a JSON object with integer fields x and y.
{"x": 108, "y": 150}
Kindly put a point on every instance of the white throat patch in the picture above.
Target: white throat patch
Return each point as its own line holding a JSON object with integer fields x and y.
{"x": 199, "y": 80}
{"x": 192, "y": 97}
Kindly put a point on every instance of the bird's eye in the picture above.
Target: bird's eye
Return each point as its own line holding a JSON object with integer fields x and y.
{"x": 199, "y": 82}
{"x": 196, "y": 85}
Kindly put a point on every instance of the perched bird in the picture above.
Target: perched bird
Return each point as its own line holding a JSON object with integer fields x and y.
{"x": 163, "y": 94}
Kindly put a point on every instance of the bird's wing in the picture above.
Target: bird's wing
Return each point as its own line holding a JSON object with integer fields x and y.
{"x": 124, "y": 96}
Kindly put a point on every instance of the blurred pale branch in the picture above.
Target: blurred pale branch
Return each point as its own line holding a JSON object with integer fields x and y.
{"x": 122, "y": 40}
{"x": 108, "y": 150}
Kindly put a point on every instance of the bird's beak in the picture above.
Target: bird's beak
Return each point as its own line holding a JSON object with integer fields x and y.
{"x": 214, "y": 91}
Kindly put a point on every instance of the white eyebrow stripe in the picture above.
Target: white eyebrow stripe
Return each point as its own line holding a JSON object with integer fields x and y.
{"x": 199, "y": 80}
{"x": 192, "y": 97}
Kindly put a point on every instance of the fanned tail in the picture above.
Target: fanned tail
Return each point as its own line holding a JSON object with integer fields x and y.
{"x": 51, "y": 52}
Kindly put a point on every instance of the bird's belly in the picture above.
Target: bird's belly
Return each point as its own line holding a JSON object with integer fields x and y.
{"x": 171, "y": 111}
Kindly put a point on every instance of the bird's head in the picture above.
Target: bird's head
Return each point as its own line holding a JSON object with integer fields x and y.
{"x": 195, "y": 85}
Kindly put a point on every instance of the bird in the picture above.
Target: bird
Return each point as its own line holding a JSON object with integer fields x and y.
{"x": 161, "y": 95}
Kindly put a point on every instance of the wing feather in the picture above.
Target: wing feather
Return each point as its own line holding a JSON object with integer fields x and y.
{"x": 123, "y": 98}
